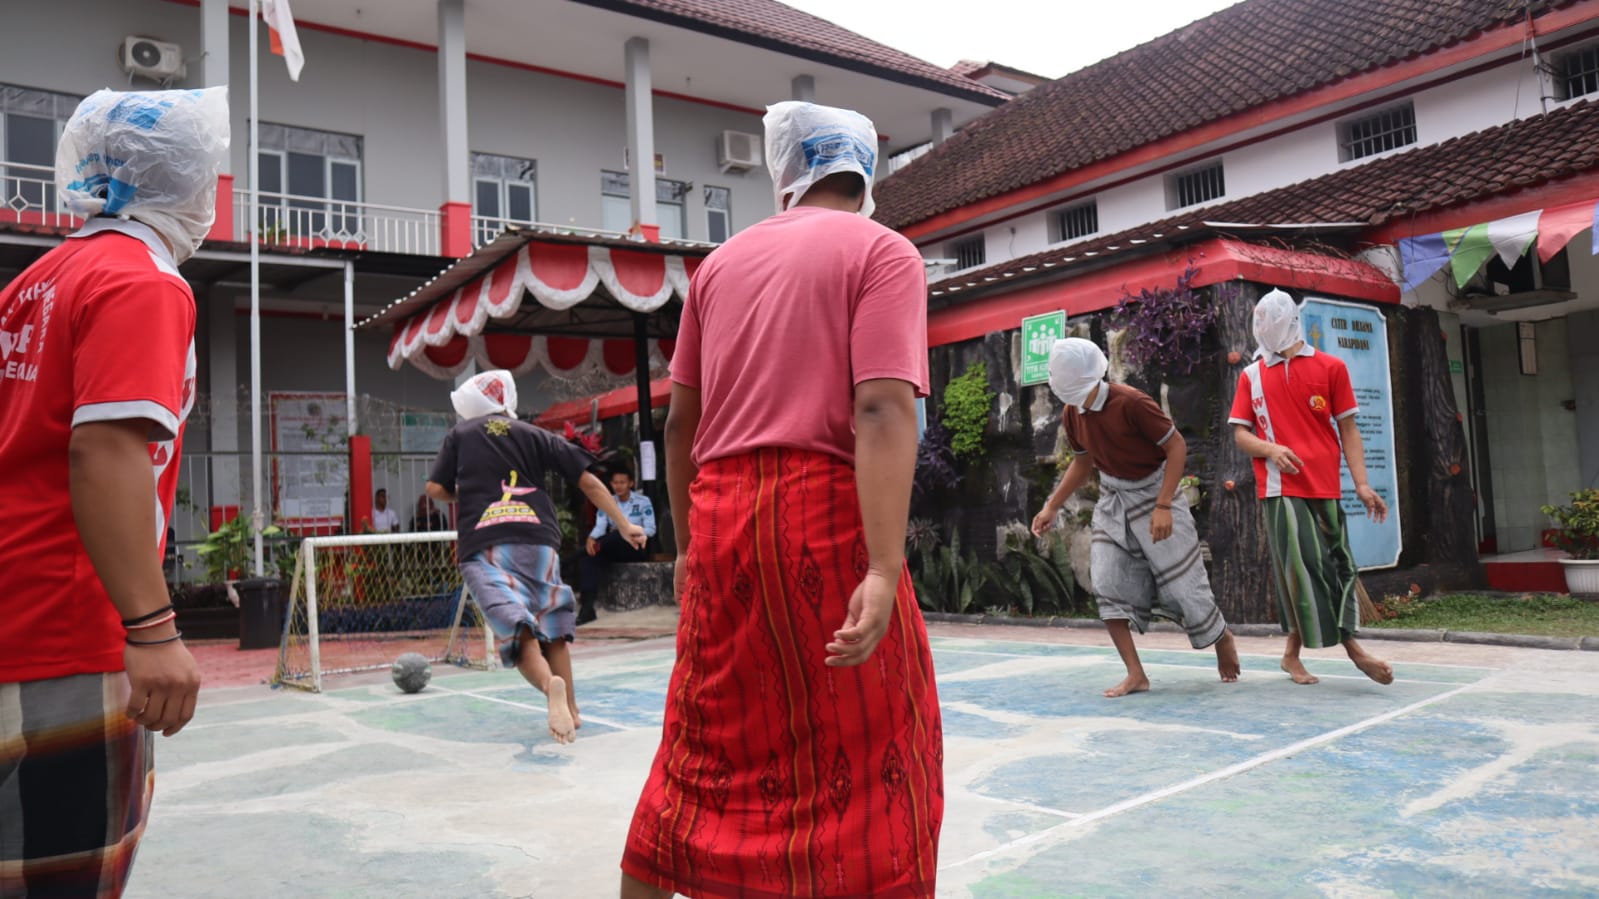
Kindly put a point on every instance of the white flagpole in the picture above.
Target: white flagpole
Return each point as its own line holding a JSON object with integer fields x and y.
{"x": 257, "y": 517}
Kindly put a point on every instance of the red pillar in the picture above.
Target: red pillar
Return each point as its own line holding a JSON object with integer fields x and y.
{"x": 360, "y": 484}
{"x": 222, "y": 228}
{"x": 455, "y": 229}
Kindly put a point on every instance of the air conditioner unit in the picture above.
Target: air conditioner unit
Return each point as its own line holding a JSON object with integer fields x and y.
{"x": 737, "y": 151}
{"x": 153, "y": 59}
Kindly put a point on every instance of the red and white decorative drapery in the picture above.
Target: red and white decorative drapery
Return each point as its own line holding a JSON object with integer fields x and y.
{"x": 447, "y": 336}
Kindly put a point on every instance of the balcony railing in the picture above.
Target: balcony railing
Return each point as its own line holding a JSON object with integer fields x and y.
{"x": 28, "y": 196}
{"x": 288, "y": 220}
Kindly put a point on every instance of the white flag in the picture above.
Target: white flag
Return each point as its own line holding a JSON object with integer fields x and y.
{"x": 1512, "y": 236}
{"x": 284, "y": 39}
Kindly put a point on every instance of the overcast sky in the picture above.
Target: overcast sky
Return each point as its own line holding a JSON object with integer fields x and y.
{"x": 1046, "y": 37}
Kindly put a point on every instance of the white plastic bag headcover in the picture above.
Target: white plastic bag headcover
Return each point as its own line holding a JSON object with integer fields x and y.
{"x": 1075, "y": 366}
{"x": 152, "y": 156}
{"x": 490, "y": 393}
{"x": 806, "y": 142}
{"x": 1276, "y": 323}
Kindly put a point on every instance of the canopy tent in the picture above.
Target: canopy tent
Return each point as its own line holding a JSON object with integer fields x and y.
{"x": 603, "y": 304}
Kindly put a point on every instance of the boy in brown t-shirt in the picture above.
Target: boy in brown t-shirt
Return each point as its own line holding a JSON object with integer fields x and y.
{"x": 1145, "y": 554}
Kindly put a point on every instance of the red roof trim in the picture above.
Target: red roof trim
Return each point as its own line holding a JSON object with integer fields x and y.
{"x": 1544, "y": 196}
{"x": 1372, "y": 81}
{"x": 1216, "y": 260}
{"x": 622, "y": 401}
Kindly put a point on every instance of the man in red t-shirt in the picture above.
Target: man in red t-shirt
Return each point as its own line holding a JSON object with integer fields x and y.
{"x": 1294, "y": 412}
{"x": 97, "y": 370}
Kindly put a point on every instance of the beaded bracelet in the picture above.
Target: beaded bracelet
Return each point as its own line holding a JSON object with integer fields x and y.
{"x": 172, "y": 639}
{"x": 131, "y": 622}
{"x": 1165, "y": 506}
{"x": 149, "y": 624}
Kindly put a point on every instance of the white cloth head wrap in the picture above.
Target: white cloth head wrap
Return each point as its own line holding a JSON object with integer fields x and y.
{"x": 806, "y": 142}
{"x": 1276, "y": 324}
{"x": 489, "y": 393}
{"x": 152, "y": 156}
{"x": 1075, "y": 366}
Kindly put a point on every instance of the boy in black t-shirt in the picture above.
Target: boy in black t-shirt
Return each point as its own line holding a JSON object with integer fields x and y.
{"x": 495, "y": 466}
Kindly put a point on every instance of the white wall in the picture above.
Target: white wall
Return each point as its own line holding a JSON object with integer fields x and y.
{"x": 388, "y": 95}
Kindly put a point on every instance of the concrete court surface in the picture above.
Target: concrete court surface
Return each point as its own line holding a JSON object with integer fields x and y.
{"x": 1475, "y": 774}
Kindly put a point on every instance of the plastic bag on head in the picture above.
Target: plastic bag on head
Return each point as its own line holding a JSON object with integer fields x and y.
{"x": 489, "y": 393}
{"x": 806, "y": 142}
{"x": 152, "y": 156}
{"x": 1075, "y": 366}
{"x": 1276, "y": 323}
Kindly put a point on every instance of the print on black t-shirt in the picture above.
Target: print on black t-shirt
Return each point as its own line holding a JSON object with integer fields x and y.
{"x": 496, "y": 467}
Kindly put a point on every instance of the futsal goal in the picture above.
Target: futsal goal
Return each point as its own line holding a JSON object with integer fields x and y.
{"x": 358, "y": 602}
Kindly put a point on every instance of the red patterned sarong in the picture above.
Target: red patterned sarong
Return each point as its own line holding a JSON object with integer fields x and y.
{"x": 777, "y": 775}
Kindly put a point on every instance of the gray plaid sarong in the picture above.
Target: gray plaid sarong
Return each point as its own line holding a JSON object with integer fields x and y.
{"x": 75, "y": 785}
{"x": 1136, "y": 578}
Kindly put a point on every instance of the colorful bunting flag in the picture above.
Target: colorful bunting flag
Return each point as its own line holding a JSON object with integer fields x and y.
{"x": 1421, "y": 257}
{"x": 1466, "y": 249}
{"x": 1512, "y": 236}
{"x": 1557, "y": 226}
{"x": 1470, "y": 248}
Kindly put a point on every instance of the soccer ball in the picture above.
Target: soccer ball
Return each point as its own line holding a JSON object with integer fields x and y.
{"x": 411, "y": 672}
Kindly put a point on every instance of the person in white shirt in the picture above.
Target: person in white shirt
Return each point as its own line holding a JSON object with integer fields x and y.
{"x": 384, "y": 519}
{"x": 605, "y": 545}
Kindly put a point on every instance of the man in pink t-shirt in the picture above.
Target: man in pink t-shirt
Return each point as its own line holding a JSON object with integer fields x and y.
{"x": 790, "y": 449}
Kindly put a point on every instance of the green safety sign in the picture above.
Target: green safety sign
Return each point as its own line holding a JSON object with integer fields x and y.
{"x": 1039, "y": 333}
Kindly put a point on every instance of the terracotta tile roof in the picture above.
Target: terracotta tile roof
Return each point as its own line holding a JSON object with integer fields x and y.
{"x": 1510, "y": 157}
{"x": 967, "y": 66}
{"x": 1239, "y": 58}
{"x": 772, "y": 24}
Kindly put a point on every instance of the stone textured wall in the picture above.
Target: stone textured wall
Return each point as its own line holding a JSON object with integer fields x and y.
{"x": 1011, "y": 484}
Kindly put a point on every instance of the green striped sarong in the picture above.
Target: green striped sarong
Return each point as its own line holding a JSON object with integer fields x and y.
{"x": 1313, "y": 568}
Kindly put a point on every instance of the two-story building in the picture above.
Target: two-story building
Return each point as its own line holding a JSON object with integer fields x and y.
{"x": 1432, "y": 162}
{"x": 417, "y": 131}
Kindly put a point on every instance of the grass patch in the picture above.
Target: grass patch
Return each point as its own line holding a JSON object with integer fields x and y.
{"x": 1544, "y": 615}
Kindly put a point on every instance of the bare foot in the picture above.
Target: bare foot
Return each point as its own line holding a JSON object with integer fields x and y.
{"x": 577, "y": 720}
{"x": 562, "y": 728}
{"x": 1135, "y": 683}
{"x": 1374, "y": 668}
{"x": 1296, "y": 670}
{"x": 1227, "y": 658}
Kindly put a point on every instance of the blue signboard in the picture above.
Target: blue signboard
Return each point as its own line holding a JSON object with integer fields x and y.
{"x": 1359, "y": 336}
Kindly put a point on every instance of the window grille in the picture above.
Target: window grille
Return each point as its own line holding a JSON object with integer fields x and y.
{"x": 1377, "y": 133}
{"x": 969, "y": 253}
{"x": 1077, "y": 221}
{"x": 1579, "y": 73}
{"x": 1198, "y": 186}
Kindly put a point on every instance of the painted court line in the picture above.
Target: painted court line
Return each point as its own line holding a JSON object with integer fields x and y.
{"x": 1110, "y": 655}
{"x": 523, "y": 705}
{"x": 1163, "y": 793}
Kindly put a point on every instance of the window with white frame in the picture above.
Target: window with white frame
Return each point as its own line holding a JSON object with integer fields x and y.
{"x": 671, "y": 210}
{"x": 504, "y": 192}
{"x": 30, "y": 124}
{"x": 718, "y": 214}
{"x": 971, "y": 252}
{"x": 1076, "y": 220}
{"x": 1195, "y": 186}
{"x": 1377, "y": 132}
{"x": 1577, "y": 73}
{"x": 310, "y": 182}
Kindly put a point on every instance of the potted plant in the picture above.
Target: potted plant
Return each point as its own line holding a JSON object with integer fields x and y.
{"x": 1577, "y": 533}
{"x": 227, "y": 552}
{"x": 1189, "y": 486}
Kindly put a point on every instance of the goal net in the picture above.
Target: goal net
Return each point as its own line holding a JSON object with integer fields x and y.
{"x": 356, "y": 603}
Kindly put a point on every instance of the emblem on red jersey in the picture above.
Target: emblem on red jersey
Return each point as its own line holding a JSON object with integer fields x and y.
{"x": 1318, "y": 405}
